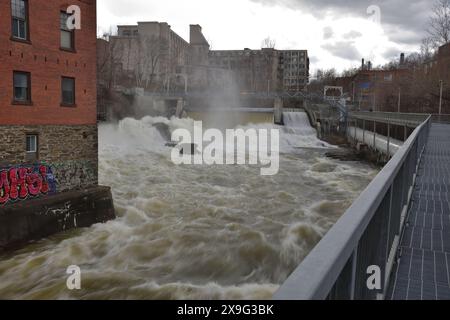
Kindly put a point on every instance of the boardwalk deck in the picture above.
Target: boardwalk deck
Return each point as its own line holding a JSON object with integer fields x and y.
{"x": 423, "y": 271}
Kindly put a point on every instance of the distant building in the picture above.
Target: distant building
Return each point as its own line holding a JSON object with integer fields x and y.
{"x": 295, "y": 68}
{"x": 149, "y": 52}
{"x": 375, "y": 89}
{"x": 256, "y": 70}
{"x": 266, "y": 69}
{"x": 151, "y": 55}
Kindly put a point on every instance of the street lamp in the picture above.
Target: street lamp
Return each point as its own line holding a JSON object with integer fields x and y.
{"x": 441, "y": 84}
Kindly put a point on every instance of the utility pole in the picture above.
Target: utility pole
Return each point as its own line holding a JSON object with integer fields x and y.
{"x": 441, "y": 84}
{"x": 399, "y": 98}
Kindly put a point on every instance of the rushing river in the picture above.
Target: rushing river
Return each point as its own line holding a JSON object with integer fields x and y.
{"x": 195, "y": 232}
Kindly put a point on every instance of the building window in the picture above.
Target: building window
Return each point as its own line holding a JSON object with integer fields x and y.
{"x": 22, "y": 87}
{"x": 67, "y": 34}
{"x": 19, "y": 13}
{"x": 67, "y": 91}
{"x": 31, "y": 147}
{"x": 32, "y": 143}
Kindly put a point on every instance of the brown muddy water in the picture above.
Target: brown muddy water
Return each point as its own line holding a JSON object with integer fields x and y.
{"x": 192, "y": 232}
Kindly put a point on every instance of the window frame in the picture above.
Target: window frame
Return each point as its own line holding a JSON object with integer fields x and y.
{"x": 72, "y": 34}
{"x": 26, "y": 20}
{"x": 65, "y": 104}
{"x": 29, "y": 99}
{"x": 36, "y": 143}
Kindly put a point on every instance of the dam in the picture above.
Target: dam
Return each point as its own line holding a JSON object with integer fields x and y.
{"x": 193, "y": 232}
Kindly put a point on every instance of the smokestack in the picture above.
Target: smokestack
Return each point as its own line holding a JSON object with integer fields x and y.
{"x": 402, "y": 59}
{"x": 363, "y": 64}
{"x": 369, "y": 65}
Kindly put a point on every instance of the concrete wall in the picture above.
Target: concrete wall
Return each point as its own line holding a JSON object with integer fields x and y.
{"x": 39, "y": 218}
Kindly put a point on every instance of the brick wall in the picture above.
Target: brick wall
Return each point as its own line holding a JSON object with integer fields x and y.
{"x": 47, "y": 63}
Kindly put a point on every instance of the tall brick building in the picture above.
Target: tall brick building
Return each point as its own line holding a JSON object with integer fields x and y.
{"x": 47, "y": 98}
{"x": 48, "y": 120}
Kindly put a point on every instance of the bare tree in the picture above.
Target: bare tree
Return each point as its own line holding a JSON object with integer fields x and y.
{"x": 349, "y": 72}
{"x": 326, "y": 75}
{"x": 268, "y": 43}
{"x": 109, "y": 57}
{"x": 149, "y": 53}
{"x": 439, "y": 24}
{"x": 426, "y": 49}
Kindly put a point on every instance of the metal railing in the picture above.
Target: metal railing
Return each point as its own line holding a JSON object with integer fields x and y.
{"x": 401, "y": 119}
{"x": 380, "y": 142}
{"x": 366, "y": 236}
{"x": 441, "y": 118}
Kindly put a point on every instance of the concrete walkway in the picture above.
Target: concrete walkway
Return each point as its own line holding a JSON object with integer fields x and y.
{"x": 423, "y": 272}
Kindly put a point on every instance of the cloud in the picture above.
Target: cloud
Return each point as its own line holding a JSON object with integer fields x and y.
{"x": 344, "y": 50}
{"x": 313, "y": 59}
{"x": 327, "y": 33}
{"x": 410, "y": 15}
{"x": 392, "y": 54}
{"x": 352, "y": 35}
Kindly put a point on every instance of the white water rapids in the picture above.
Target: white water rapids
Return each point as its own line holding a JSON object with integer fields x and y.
{"x": 192, "y": 232}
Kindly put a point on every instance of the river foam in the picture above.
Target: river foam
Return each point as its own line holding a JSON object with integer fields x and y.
{"x": 192, "y": 232}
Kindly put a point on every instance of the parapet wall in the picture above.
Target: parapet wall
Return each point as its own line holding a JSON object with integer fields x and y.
{"x": 39, "y": 218}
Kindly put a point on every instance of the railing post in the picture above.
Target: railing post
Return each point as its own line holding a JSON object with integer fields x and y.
{"x": 374, "y": 135}
{"x": 364, "y": 131}
{"x": 389, "y": 139}
{"x": 354, "y": 269}
{"x": 389, "y": 242}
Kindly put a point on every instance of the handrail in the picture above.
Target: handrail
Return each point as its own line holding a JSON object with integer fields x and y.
{"x": 411, "y": 119}
{"x": 366, "y": 235}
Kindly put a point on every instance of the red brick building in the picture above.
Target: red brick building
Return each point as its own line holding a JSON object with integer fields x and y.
{"x": 378, "y": 90}
{"x": 48, "y": 93}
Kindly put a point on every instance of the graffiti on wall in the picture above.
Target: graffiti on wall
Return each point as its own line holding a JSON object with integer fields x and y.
{"x": 74, "y": 174}
{"x": 23, "y": 182}
{"x": 29, "y": 181}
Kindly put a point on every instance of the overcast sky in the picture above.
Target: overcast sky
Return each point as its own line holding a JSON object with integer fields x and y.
{"x": 337, "y": 33}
